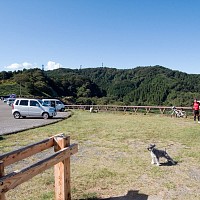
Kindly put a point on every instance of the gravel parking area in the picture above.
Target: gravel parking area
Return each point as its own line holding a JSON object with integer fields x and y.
{"x": 9, "y": 125}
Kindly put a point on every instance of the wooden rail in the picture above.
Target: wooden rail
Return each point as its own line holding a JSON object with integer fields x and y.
{"x": 134, "y": 109}
{"x": 60, "y": 160}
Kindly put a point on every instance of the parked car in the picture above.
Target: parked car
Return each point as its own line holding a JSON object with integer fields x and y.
{"x": 32, "y": 107}
{"x": 55, "y": 103}
{"x": 10, "y": 101}
{"x": 14, "y": 96}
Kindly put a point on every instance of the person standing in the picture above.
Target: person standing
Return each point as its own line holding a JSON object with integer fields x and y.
{"x": 196, "y": 110}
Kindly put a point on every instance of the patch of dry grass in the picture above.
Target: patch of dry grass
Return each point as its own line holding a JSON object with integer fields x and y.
{"x": 113, "y": 159}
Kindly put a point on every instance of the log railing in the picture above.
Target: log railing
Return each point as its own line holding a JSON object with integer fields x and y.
{"x": 60, "y": 160}
{"x": 135, "y": 109}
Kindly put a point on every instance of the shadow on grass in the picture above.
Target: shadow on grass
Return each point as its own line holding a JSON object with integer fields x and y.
{"x": 131, "y": 195}
{"x": 1, "y": 138}
{"x": 169, "y": 163}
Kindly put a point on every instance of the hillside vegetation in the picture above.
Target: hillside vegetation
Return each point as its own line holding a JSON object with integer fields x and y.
{"x": 155, "y": 85}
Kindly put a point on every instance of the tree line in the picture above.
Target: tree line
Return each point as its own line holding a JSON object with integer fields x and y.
{"x": 150, "y": 85}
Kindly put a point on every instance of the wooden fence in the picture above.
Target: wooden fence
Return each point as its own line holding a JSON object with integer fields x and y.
{"x": 135, "y": 109}
{"x": 60, "y": 160}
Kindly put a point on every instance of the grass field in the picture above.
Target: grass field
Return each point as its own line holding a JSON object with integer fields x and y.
{"x": 113, "y": 160}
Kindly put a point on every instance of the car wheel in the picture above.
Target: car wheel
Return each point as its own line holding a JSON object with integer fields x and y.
{"x": 45, "y": 115}
{"x": 62, "y": 110}
{"x": 16, "y": 115}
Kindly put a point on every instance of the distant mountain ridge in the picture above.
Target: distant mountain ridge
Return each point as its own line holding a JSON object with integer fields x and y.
{"x": 150, "y": 85}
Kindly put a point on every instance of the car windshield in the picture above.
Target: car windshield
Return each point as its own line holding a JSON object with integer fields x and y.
{"x": 43, "y": 103}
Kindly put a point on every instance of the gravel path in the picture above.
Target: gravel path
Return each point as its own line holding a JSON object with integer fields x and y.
{"x": 9, "y": 125}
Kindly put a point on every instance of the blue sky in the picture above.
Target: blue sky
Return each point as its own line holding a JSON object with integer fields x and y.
{"x": 94, "y": 33}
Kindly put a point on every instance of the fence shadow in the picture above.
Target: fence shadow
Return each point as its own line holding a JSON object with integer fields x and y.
{"x": 131, "y": 195}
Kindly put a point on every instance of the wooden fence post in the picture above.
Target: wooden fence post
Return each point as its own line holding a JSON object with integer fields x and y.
{"x": 2, "y": 195}
{"x": 62, "y": 170}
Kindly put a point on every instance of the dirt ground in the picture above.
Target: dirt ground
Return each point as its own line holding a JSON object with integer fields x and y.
{"x": 166, "y": 182}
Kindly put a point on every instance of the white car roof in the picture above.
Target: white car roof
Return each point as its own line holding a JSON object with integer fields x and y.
{"x": 26, "y": 99}
{"x": 50, "y": 100}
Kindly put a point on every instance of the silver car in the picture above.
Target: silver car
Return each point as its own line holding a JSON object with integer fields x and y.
{"x": 10, "y": 101}
{"x": 32, "y": 107}
{"x": 55, "y": 103}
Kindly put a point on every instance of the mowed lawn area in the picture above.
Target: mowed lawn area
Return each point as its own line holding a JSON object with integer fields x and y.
{"x": 113, "y": 160}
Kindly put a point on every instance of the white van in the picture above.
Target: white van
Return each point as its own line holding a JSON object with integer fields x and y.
{"x": 10, "y": 101}
{"x": 55, "y": 103}
{"x": 32, "y": 107}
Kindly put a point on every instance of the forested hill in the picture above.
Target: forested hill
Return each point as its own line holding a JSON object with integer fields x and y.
{"x": 155, "y": 85}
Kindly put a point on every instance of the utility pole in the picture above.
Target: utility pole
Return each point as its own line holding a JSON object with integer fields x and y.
{"x": 3, "y": 76}
{"x": 20, "y": 89}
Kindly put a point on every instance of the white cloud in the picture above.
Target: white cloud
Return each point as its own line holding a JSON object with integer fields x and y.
{"x": 18, "y": 66}
{"x": 27, "y": 65}
{"x": 13, "y": 66}
{"x": 53, "y": 65}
